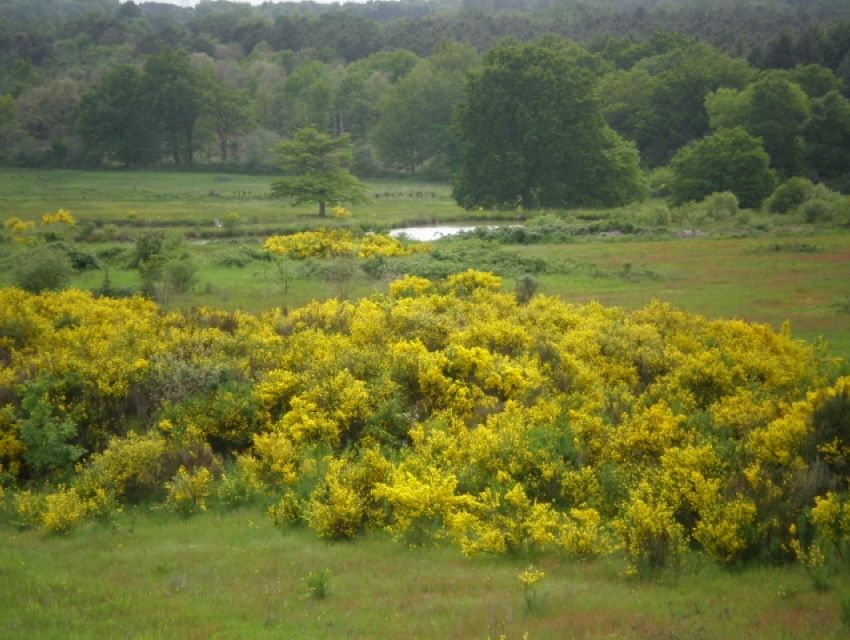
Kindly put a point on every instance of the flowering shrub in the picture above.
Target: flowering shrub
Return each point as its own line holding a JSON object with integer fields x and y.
{"x": 339, "y": 242}
{"x": 23, "y": 231}
{"x": 441, "y": 411}
{"x": 60, "y": 217}
{"x": 188, "y": 490}
{"x": 62, "y": 510}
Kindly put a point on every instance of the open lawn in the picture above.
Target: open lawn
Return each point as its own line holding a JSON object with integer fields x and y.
{"x": 234, "y": 575}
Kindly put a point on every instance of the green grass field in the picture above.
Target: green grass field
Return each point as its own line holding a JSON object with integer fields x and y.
{"x": 196, "y": 200}
{"x": 761, "y": 279}
{"x": 234, "y": 575}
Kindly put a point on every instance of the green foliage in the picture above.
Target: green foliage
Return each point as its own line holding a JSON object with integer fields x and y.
{"x": 114, "y": 122}
{"x": 173, "y": 93}
{"x": 225, "y": 112}
{"x": 317, "y": 583}
{"x": 816, "y": 210}
{"x": 658, "y": 103}
{"x": 455, "y": 256}
{"x": 530, "y": 133}
{"x": 164, "y": 264}
{"x": 412, "y": 130}
{"x": 317, "y": 170}
{"x": 789, "y": 195}
{"x": 827, "y": 135}
{"x": 179, "y": 274}
{"x": 728, "y": 160}
{"x": 8, "y": 124}
{"x": 146, "y": 246}
{"x": 47, "y": 439}
{"x": 720, "y": 205}
{"x": 815, "y": 79}
{"x": 43, "y": 268}
{"x": 525, "y": 288}
{"x": 777, "y": 111}
{"x": 305, "y": 99}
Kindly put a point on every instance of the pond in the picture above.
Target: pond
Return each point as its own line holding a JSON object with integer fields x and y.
{"x": 429, "y": 234}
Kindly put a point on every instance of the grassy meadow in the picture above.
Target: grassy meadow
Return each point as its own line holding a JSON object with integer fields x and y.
{"x": 196, "y": 200}
{"x": 234, "y": 575}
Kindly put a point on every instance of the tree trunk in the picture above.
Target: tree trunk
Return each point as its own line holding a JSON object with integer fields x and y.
{"x": 222, "y": 146}
{"x": 322, "y": 209}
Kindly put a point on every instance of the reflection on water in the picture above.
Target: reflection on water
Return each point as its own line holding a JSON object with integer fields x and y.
{"x": 428, "y": 234}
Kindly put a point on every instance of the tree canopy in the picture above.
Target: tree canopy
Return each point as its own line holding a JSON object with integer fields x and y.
{"x": 728, "y": 160}
{"x": 316, "y": 167}
{"x": 99, "y": 82}
{"x": 530, "y": 132}
{"x": 113, "y": 120}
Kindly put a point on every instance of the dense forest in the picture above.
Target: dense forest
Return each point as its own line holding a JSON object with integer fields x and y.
{"x": 94, "y": 83}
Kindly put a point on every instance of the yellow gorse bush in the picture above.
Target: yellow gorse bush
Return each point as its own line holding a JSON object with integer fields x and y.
{"x": 188, "y": 490}
{"x": 329, "y": 243}
{"x": 441, "y": 411}
{"x": 23, "y": 231}
{"x": 60, "y": 217}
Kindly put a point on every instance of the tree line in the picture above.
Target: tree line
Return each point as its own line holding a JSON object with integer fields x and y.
{"x": 108, "y": 84}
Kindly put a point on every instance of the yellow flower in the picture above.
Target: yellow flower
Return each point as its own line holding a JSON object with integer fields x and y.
{"x": 530, "y": 576}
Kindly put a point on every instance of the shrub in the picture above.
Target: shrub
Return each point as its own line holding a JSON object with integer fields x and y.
{"x": 317, "y": 584}
{"x": 335, "y": 510}
{"x": 287, "y": 510}
{"x": 530, "y": 579}
{"x": 727, "y": 160}
{"x": 43, "y": 268}
{"x": 815, "y": 211}
{"x": 721, "y": 204}
{"x": 188, "y": 491}
{"x": 29, "y": 508}
{"x": 130, "y": 467}
{"x": 238, "y": 486}
{"x": 147, "y": 246}
{"x": 179, "y": 274}
{"x": 790, "y": 195}
{"x": 47, "y": 439}
{"x": 62, "y": 510}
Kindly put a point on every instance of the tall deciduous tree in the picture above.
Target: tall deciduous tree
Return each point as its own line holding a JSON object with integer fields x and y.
{"x": 728, "y": 160}
{"x": 772, "y": 108}
{"x": 225, "y": 111}
{"x": 778, "y": 109}
{"x": 113, "y": 120}
{"x": 174, "y": 93}
{"x": 530, "y": 133}
{"x": 827, "y": 135}
{"x": 316, "y": 169}
{"x": 416, "y": 115}
{"x": 8, "y": 123}
{"x": 305, "y": 98}
{"x": 46, "y": 112}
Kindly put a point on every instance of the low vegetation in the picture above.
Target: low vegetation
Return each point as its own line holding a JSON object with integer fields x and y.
{"x": 538, "y": 425}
